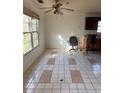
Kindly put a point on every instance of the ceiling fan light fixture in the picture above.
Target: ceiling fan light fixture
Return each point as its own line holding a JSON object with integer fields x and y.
{"x": 67, "y": 3}
{"x": 40, "y": 1}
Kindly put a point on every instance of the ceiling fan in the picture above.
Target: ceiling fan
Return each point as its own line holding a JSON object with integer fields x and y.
{"x": 57, "y": 8}
{"x": 40, "y": 1}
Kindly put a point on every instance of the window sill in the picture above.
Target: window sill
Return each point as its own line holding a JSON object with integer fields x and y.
{"x": 30, "y": 50}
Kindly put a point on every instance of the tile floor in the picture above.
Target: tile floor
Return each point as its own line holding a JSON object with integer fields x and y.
{"x": 59, "y": 71}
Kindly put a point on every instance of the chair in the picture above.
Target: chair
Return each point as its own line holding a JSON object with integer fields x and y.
{"x": 73, "y": 42}
{"x": 92, "y": 42}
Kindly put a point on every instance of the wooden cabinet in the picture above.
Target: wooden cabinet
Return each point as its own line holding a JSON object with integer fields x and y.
{"x": 98, "y": 44}
{"x": 87, "y": 47}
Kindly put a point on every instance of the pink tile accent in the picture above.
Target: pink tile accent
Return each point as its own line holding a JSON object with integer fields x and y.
{"x": 71, "y": 61}
{"x": 51, "y": 61}
{"x": 54, "y": 52}
{"x": 46, "y": 76}
{"x": 76, "y": 76}
{"x": 91, "y": 60}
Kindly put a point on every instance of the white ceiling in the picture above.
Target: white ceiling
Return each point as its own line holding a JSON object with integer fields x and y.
{"x": 81, "y": 6}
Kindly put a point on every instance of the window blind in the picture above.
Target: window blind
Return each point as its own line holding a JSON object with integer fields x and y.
{"x": 30, "y": 13}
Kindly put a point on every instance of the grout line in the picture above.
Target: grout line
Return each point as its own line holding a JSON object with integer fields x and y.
{"x": 62, "y": 63}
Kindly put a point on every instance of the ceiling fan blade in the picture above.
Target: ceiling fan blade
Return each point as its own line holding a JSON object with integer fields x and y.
{"x": 68, "y": 9}
{"x": 46, "y": 7}
{"x": 48, "y": 11}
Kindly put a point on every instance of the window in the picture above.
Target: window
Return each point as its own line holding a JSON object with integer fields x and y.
{"x": 99, "y": 27}
{"x": 30, "y": 33}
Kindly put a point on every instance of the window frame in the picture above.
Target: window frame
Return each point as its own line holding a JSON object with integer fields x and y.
{"x": 31, "y": 32}
{"x": 99, "y": 27}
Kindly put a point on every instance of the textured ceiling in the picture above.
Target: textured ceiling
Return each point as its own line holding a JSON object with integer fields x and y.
{"x": 81, "y": 6}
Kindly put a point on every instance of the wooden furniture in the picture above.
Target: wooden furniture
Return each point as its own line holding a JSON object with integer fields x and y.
{"x": 87, "y": 47}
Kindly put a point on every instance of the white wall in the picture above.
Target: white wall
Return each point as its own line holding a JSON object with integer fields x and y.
{"x": 58, "y": 29}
